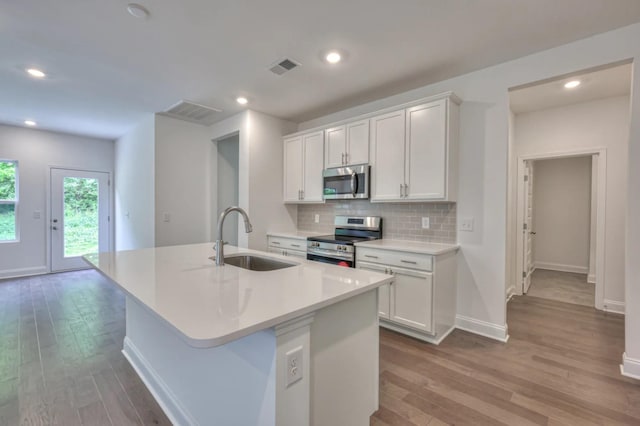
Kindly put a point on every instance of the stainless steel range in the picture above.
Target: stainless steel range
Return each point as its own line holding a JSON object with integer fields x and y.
{"x": 339, "y": 248}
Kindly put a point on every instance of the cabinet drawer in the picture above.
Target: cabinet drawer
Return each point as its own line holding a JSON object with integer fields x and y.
{"x": 287, "y": 243}
{"x": 401, "y": 259}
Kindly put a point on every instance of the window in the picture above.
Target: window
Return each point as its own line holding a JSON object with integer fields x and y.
{"x": 8, "y": 200}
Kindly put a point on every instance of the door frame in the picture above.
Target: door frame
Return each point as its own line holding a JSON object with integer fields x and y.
{"x": 601, "y": 196}
{"x": 47, "y": 215}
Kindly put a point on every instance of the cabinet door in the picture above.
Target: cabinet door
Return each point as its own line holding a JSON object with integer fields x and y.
{"x": 412, "y": 298}
{"x": 383, "y": 291}
{"x": 335, "y": 147}
{"x": 275, "y": 250}
{"x": 296, "y": 253}
{"x": 387, "y": 156}
{"x": 426, "y": 151}
{"x": 358, "y": 142}
{"x": 313, "y": 166}
{"x": 293, "y": 167}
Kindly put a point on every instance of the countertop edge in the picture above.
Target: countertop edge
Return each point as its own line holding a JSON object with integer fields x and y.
{"x": 409, "y": 246}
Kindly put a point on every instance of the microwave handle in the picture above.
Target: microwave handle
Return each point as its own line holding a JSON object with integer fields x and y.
{"x": 354, "y": 184}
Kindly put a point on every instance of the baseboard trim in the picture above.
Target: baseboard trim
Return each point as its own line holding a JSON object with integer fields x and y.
{"x": 511, "y": 291}
{"x": 435, "y": 340}
{"x": 23, "y": 272}
{"x": 613, "y": 306}
{"x": 562, "y": 268}
{"x": 630, "y": 367}
{"x": 483, "y": 328}
{"x": 162, "y": 394}
{"x": 591, "y": 278}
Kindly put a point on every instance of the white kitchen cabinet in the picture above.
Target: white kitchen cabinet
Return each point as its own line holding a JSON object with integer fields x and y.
{"x": 347, "y": 144}
{"x": 303, "y": 168}
{"x": 285, "y": 246}
{"x": 421, "y": 300}
{"x": 414, "y": 152}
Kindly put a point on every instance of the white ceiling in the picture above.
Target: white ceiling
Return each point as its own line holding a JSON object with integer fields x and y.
{"x": 614, "y": 81}
{"x": 107, "y": 68}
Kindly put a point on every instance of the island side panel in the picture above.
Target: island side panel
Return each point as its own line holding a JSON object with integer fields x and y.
{"x": 345, "y": 361}
{"x": 232, "y": 384}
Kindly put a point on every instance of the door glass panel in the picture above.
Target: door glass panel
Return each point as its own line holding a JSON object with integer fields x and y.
{"x": 81, "y": 224}
{"x": 7, "y": 222}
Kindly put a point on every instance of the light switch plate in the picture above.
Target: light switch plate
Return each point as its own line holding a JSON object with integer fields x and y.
{"x": 425, "y": 223}
{"x": 466, "y": 224}
{"x": 166, "y": 217}
{"x": 37, "y": 214}
{"x": 294, "y": 360}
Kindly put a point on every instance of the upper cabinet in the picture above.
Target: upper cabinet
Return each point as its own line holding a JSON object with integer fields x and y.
{"x": 414, "y": 152}
{"x": 347, "y": 144}
{"x": 303, "y": 168}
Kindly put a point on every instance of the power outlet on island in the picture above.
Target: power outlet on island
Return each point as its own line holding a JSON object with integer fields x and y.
{"x": 294, "y": 365}
{"x": 425, "y": 223}
{"x": 317, "y": 218}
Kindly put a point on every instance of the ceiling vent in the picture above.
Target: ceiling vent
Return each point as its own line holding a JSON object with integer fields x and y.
{"x": 283, "y": 66}
{"x": 193, "y": 112}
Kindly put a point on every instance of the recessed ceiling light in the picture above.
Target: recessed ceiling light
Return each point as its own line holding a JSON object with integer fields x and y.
{"x": 137, "y": 11}
{"x": 242, "y": 100}
{"x": 30, "y": 123}
{"x": 34, "y": 72}
{"x": 572, "y": 84}
{"x": 333, "y": 57}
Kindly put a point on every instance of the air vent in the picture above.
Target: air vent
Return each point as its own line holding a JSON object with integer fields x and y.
{"x": 193, "y": 112}
{"x": 283, "y": 66}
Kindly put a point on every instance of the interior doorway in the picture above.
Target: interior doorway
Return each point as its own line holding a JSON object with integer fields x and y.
{"x": 79, "y": 216}
{"x": 228, "y": 184}
{"x": 559, "y": 229}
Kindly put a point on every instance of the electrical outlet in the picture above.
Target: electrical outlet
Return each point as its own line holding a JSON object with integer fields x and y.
{"x": 166, "y": 217}
{"x": 317, "y": 218}
{"x": 425, "y": 223}
{"x": 466, "y": 224}
{"x": 294, "y": 365}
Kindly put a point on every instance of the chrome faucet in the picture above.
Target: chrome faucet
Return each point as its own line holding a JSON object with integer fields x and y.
{"x": 219, "y": 247}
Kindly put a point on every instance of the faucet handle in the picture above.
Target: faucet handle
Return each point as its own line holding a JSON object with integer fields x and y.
{"x": 215, "y": 245}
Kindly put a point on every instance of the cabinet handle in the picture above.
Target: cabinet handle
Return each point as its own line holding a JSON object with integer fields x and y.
{"x": 401, "y": 194}
{"x": 371, "y": 256}
{"x": 346, "y": 158}
{"x": 275, "y": 243}
{"x": 302, "y": 192}
{"x": 295, "y": 245}
{"x": 406, "y": 190}
{"x": 409, "y": 261}
{"x": 343, "y": 158}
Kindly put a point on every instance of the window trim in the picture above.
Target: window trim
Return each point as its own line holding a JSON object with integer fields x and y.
{"x": 15, "y": 202}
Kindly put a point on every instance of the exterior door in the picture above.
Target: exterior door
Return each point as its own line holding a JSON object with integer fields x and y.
{"x": 527, "y": 261}
{"x": 79, "y": 217}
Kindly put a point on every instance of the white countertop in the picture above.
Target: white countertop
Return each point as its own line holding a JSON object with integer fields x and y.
{"x": 299, "y": 235}
{"x": 434, "y": 249}
{"x": 210, "y": 305}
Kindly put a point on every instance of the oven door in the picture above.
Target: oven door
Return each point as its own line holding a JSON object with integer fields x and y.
{"x": 332, "y": 261}
{"x": 346, "y": 183}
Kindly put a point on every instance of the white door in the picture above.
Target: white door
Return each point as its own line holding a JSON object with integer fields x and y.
{"x": 293, "y": 165}
{"x": 527, "y": 261}
{"x": 79, "y": 216}
{"x": 412, "y": 299}
{"x": 313, "y": 165}
{"x": 387, "y": 156}
{"x": 335, "y": 147}
{"x": 426, "y": 151}
{"x": 358, "y": 142}
{"x": 384, "y": 303}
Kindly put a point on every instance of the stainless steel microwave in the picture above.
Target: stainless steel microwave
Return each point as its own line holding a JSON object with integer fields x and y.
{"x": 350, "y": 182}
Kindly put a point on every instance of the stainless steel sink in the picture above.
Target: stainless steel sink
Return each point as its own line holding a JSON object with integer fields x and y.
{"x": 256, "y": 263}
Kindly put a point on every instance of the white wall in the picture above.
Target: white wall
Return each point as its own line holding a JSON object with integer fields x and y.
{"x": 597, "y": 124}
{"x": 182, "y": 182}
{"x": 134, "y": 187}
{"x": 562, "y": 214}
{"x": 228, "y": 185}
{"x": 484, "y": 163}
{"x": 36, "y": 151}
{"x": 260, "y": 174}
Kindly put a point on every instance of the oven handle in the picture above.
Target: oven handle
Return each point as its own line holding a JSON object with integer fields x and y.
{"x": 354, "y": 184}
{"x": 330, "y": 255}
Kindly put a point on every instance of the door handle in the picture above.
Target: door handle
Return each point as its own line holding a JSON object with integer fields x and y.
{"x": 55, "y": 228}
{"x": 532, "y": 233}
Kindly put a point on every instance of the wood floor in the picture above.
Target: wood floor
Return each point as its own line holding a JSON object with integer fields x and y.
{"x": 560, "y": 367}
{"x": 60, "y": 363}
{"x": 562, "y": 286}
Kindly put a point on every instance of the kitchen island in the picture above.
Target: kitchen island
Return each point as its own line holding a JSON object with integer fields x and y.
{"x": 222, "y": 345}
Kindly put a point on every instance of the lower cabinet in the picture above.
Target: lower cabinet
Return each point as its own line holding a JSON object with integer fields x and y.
{"x": 287, "y": 246}
{"x": 421, "y": 299}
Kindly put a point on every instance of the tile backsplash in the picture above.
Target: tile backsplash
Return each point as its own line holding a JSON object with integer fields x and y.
{"x": 401, "y": 221}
